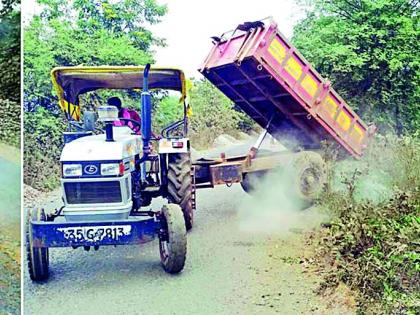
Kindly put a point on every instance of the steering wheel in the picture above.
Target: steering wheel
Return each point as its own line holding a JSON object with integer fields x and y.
{"x": 138, "y": 124}
{"x": 135, "y": 122}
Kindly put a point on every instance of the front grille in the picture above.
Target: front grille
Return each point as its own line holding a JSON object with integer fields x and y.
{"x": 93, "y": 192}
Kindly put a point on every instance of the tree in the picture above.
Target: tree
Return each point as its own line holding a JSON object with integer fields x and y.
{"x": 213, "y": 114}
{"x": 90, "y": 33}
{"x": 70, "y": 33}
{"x": 10, "y": 51}
{"x": 369, "y": 50}
{"x": 10, "y": 72}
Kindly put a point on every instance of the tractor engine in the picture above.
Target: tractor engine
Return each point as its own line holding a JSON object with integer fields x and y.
{"x": 99, "y": 177}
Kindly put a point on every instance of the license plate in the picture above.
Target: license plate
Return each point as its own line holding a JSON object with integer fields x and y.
{"x": 95, "y": 233}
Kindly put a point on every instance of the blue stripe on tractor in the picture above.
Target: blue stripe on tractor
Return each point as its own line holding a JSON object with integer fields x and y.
{"x": 60, "y": 234}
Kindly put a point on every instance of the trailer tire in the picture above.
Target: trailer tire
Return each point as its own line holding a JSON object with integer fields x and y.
{"x": 251, "y": 181}
{"x": 38, "y": 258}
{"x": 173, "y": 246}
{"x": 180, "y": 185}
{"x": 307, "y": 171}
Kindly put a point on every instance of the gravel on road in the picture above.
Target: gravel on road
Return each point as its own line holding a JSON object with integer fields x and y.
{"x": 229, "y": 270}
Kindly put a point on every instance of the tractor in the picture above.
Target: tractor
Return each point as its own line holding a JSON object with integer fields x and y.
{"x": 112, "y": 168}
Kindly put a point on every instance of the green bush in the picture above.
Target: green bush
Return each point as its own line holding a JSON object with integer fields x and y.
{"x": 166, "y": 111}
{"x": 373, "y": 243}
{"x": 10, "y": 122}
{"x": 213, "y": 115}
{"x": 43, "y": 142}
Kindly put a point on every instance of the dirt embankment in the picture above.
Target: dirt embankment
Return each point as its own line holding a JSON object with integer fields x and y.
{"x": 9, "y": 230}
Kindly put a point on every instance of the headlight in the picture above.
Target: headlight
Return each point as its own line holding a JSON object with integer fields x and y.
{"x": 112, "y": 169}
{"x": 107, "y": 113}
{"x": 72, "y": 170}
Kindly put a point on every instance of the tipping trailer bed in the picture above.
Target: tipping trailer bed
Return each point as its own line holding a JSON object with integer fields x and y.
{"x": 262, "y": 73}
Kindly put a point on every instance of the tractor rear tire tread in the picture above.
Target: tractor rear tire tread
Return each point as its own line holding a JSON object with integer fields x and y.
{"x": 180, "y": 185}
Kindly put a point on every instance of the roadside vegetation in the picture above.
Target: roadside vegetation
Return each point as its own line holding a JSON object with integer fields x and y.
{"x": 367, "y": 48}
{"x": 10, "y": 72}
{"x": 372, "y": 243}
{"x": 10, "y": 135}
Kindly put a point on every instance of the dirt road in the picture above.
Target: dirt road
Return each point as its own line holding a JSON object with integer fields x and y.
{"x": 9, "y": 231}
{"x": 230, "y": 269}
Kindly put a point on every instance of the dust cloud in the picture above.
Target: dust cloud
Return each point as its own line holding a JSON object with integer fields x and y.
{"x": 271, "y": 209}
{"x": 371, "y": 181}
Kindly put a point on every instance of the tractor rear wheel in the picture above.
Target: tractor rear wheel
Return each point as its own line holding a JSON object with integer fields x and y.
{"x": 173, "y": 242}
{"x": 180, "y": 185}
{"x": 307, "y": 171}
{"x": 38, "y": 257}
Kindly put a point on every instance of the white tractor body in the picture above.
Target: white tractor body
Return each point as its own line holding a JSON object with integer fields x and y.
{"x": 96, "y": 181}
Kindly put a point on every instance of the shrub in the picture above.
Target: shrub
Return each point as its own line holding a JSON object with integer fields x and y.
{"x": 373, "y": 243}
{"x": 213, "y": 115}
{"x": 42, "y": 148}
{"x": 10, "y": 122}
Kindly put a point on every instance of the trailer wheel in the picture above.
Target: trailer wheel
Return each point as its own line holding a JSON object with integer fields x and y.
{"x": 173, "y": 242}
{"x": 250, "y": 181}
{"x": 38, "y": 258}
{"x": 307, "y": 171}
{"x": 180, "y": 185}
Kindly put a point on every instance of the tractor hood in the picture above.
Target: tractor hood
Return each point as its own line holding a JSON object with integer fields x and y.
{"x": 95, "y": 148}
{"x": 70, "y": 82}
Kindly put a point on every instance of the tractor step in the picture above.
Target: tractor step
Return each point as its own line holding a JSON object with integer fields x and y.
{"x": 193, "y": 189}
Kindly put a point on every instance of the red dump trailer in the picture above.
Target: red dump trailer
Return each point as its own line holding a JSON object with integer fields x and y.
{"x": 261, "y": 72}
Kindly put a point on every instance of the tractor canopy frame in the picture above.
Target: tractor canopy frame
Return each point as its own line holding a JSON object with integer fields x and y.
{"x": 71, "y": 82}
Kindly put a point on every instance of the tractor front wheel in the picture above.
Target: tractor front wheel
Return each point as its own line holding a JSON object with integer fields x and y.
{"x": 38, "y": 257}
{"x": 180, "y": 185}
{"x": 173, "y": 240}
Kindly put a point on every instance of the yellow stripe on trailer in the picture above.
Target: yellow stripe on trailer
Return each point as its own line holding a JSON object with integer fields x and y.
{"x": 310, "y": 85}
{"x": 344, "y": 120}
{"x": 330, "y": 106}
{"x": 357, "y": 134}
{"x": 277, "y": 50}
{"x": 293, "y": 68}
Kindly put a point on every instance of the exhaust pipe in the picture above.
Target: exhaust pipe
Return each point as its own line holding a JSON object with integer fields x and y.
{"x": 146, "y": 111}
{"x": 146, "y": 121}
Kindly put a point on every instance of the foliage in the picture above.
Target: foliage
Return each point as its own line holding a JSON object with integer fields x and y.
{"x": 213, "y": 114}
{"x": 10, "y": 72}
{"x": 43, "y": 143}
{"x": 10, "y": 122}
{"x": 369, "y": 49}
{"x": 91, "y": 33}
{"x": 373, "y": 244}
{"x": 166, "y": 111}
{"x": 70, "y": 33}
{"x": 10, "y": 53}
